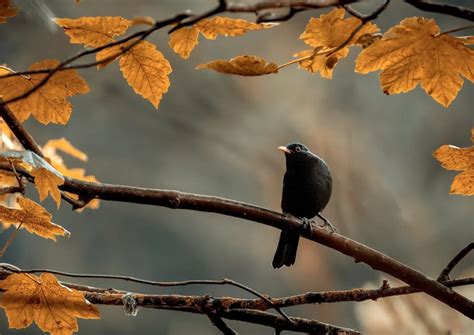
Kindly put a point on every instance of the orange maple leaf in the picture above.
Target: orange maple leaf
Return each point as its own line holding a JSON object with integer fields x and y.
{"x": 415, "y": 52}
{"x": 326, "y": 33}
{"x": 34, "y": 218}
{"x": 241, "y": 65}
{"x": 49, "y": 102}
{"x": 94, "y": 31}
{"x": 459, "y": 159}
{"x": 52, "y": 306}
{"x": 48, "y": 182}
{"x": 7, "y": 10}
{"x": 183, "y": 40}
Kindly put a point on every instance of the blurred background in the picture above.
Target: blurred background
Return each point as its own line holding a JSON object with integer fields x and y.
{"x": 216, "y": 134}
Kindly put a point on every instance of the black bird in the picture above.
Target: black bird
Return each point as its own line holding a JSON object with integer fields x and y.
{"x": 307, "y": 187}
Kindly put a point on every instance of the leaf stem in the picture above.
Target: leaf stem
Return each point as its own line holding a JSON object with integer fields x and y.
{"x": 471, "y": 26}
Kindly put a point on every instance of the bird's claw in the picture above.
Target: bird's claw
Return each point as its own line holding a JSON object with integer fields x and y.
{"x": 327, "y": 223}
{"x": 307, "y": 224}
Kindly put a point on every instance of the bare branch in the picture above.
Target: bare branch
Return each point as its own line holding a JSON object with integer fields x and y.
{"x": 444, "y": 275}
{"x": 442, "y": 8}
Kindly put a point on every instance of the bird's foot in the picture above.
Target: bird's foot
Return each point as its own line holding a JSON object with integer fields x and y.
{"x": 307, "y": 224}
{"x": 327, "y": 223}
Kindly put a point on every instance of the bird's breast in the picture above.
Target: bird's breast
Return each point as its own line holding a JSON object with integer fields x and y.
{"x": 306, "y": 191}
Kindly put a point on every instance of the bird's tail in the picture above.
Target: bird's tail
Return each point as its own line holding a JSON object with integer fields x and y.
{"x": 286, "y": 250}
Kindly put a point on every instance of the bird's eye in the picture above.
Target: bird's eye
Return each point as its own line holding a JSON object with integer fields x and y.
{"x": 297, "y": 149}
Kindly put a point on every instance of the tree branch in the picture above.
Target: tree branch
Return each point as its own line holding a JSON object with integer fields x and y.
{"x": 444, "y": 275}
{"x": 442, "y": 8}
{"x": 180, "y": 200}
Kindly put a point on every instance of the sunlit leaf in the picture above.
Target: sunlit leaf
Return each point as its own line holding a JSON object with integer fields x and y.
{"x": 459, "y": 159}
{"x": 49, "y": 102}
{"x": 52, "y": 306}
{"x": 242, "y": 65}
{"x": 414, "y": 52}
{"x": 94, "y": 31}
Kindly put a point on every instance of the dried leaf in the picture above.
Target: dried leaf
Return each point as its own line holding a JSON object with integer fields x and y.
{"x": 183, "y": 41}
{"x": 34, "y": 218}
{"x": 48, "y": 182}
{"x": 65, "y": 146}
{"x": 320, "y": 63}
{"x": 7, "y": 10}
{"x": 53, "y": 307}
{"x": 226, "y": 26}
{"x": 94, "y": 31}
{"x": 331, "y": 30}
{"x": 242, "y": 66}
{"x": 459, "y": 159}
{"x": 49, "y": 102}
{"x": 328, "y": 32}
{"x": 147, "y": 71}
{"x": 414, "y": 52}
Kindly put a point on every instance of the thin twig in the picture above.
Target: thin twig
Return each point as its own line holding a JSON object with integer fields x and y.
{"x": 10, "y": 240}
{"x": 444, "y": 275}
{"x": 21, "y": 185}
{"x": 220, "y": 324}
{"x": 443, "y": 8}
{"x": 456, "y": 30}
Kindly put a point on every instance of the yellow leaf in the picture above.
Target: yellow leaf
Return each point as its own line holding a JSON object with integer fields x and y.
{"x": 49, "y": 102}
{"x": 459, "y": 159}
{"x": 331, "y": 30}
{"x": 34, "y": 218}
{"x": 242, "y": 65}
{"x": 7, "y": 10}
{"x": 414, "y": 52}
{"x": 183, "y": 41}
{"x": 94, "y": 31}
{"x": 226, "y": 26}
{"x": 320, "y": 63}
{"x": 47, "y": 182}
{"x": 328, "y": 32}
{"x": 52, "y": 306}
{"x": 65, "y": 146}
{"x": 147, "y": 71}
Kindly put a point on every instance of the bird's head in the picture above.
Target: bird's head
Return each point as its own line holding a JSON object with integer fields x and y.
{"x": 294, "y": 149}
{"x": 296, "y": 154}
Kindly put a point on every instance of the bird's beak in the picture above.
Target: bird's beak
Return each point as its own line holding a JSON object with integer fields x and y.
{"x": 284, "y": 149}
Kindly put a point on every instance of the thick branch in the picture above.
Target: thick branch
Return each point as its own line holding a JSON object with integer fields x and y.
{"x": 358, "y": 251}
{"x": 180, "y": 200}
